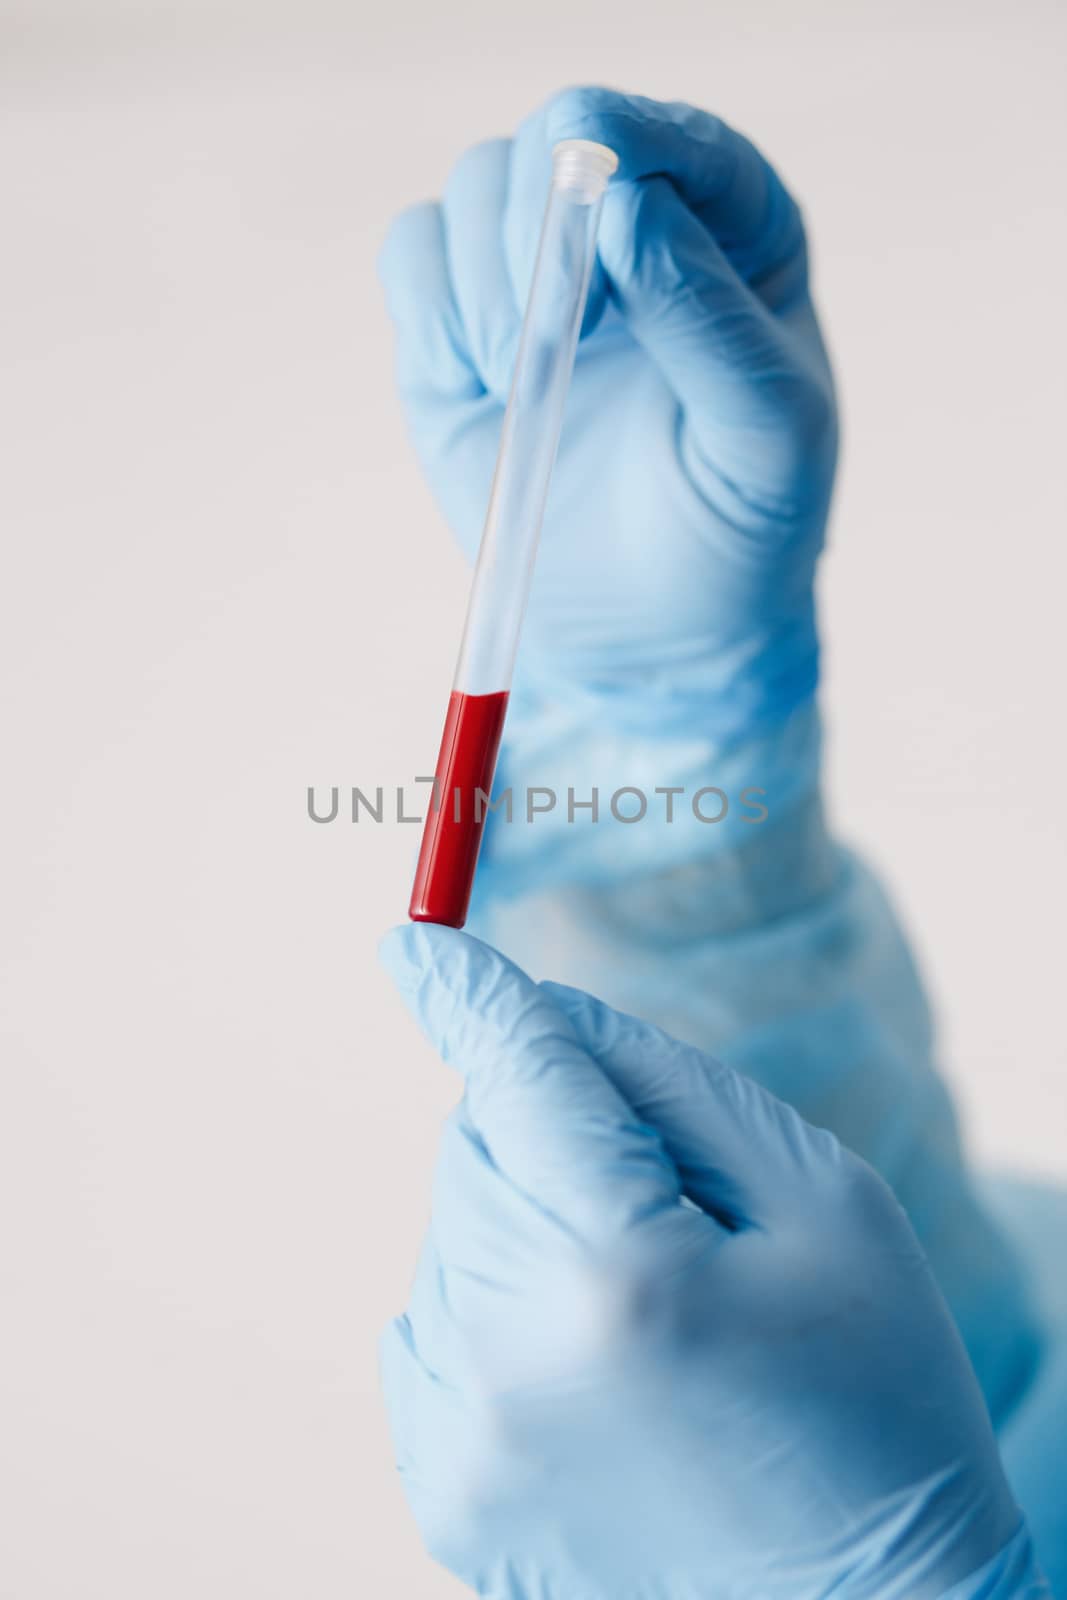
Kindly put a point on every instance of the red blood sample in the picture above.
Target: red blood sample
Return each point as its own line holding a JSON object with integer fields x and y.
{"x": 455, "y": 821}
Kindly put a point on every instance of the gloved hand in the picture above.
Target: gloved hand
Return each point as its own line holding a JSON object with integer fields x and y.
{"x": 691, "y": 492}
{"x": 604, "y": 1389}
{"x": 674, "y": 587}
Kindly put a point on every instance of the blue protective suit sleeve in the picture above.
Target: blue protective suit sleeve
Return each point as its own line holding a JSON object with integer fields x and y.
{"x": 1014, "y": 1574}
{"x": 1033, "y": 1440}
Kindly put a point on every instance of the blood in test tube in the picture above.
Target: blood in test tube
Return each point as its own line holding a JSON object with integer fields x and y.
{"x": 529, "y": 436}
{"x": 455, "y": 822}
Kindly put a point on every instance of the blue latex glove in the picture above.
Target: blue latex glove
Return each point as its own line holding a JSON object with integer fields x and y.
{"x": 602, "y": 1389}
{"x": 671, "y": 642}
{"x": 674, "y": 580}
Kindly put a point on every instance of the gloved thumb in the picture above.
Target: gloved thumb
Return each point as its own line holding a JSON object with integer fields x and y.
{"x": 744, "y": 1156}
{"x": 547, "y": 1115}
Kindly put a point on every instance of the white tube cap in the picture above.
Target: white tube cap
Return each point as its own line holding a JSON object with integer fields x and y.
{"x": 584, "y": 167}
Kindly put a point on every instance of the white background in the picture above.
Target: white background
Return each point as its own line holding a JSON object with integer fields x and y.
{"x": 223, "y": 581}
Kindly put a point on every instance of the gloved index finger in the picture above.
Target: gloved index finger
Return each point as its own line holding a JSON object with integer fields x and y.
{"x": 551, "y": 1121}
{"x": 719, "y": 173}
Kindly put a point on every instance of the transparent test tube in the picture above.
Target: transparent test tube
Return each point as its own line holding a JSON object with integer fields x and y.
{"x": 529, "y": 439}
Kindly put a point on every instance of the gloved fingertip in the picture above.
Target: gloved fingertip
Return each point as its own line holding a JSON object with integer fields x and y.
{"x": 407, "y": 953}
{"x": 569, "y": 109}
{"x": 444, "y": 976}
{"x": 606, "y": 116}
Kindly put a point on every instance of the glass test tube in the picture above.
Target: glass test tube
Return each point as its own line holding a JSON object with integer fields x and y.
{"x": 529, "y": 439}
